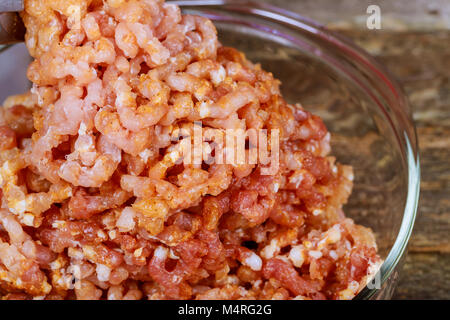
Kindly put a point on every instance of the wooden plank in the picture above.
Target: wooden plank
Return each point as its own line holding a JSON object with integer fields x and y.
{"x": 425, "y": 276}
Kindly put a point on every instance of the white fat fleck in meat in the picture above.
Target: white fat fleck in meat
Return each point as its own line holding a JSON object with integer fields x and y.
{"x": 103, "y": 272}
{"x": 317, "y": 212}
{"x": 257, "y": 284}
{"x": 354, "y": 285}
{"x": 239, "y": 232}
{"x": 315, "y": 254}
{"x": 83, "y": 129}
{"x": 259, "y": 237}
{"x": 232, "y": 280}
{"x": 58, "y": 224}
{"x": 253, "y": 261}
{"x": 297, "y": 256}
{"x": 332, "y": 236}
{"x": 373, "y": 268}
{"x": 161, "y": 253}
{"x": 204, "y": 109}
{"x": 346, "y": 294}
{"x": 21, "y": 206}
{"x": 172, "y": 255}
{"x": 348, "y": 245}
{"x": 300, "y": 298}
{"x": 174, "y": 156}
{"x": 352, "y": 270}
{"x": 113, "y": 296}
{"x": 262, "y": 114}
{"x": 55, "y": 265}
{"x": 218, "y": 76}
{"x": 112, "y": 234}
{"x": 269, "y": 251}
{"x": 126, "y": 221}
{"x": 146, "y": 154}
{"x": 284, "y": 258}
{"x": 276, "y": 186}
{"x": 307, "y": 244}
{"x": 75, "y": 253}
{"x": 333, "y": 255}
{"x": 28, "y": 219}
{"x": 101, "y": 235}
{"x": 138, "y": 252}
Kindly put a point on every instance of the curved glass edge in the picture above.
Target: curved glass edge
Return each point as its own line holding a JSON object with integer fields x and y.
{"x": 410, "y": 149}
{"x": 406, "y": 227}
{"x": 3, "y": 47}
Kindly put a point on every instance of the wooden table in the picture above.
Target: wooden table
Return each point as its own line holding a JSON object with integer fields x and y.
{"x": 414, "y": 44}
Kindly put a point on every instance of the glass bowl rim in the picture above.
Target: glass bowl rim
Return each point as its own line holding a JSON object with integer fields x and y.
{"x": 295, "y": 20}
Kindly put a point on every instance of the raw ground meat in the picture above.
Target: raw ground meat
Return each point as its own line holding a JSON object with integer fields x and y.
{"x": 94, "y": 202}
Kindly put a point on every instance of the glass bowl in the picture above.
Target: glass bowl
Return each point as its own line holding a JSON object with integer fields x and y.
{"x": 363, "y": 107}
